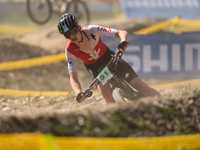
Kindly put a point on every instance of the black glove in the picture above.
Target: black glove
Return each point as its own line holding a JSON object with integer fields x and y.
{"x": 122, "y": 45}
{"x": 87, "y": 93}
{"x": 78, "y": 97}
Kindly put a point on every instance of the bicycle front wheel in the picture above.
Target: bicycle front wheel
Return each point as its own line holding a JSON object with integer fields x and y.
{"x": 39, "y": 11}
{"x": 124, "y": 92}
{"x": 80, "y": 10}
{"x": 117, "y": 94}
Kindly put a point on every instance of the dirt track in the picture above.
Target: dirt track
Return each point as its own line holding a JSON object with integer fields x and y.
{"x": 176, "y": 112}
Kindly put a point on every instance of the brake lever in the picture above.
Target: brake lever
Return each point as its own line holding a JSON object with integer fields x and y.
{"x": 119, "y": 54}
{"x": 88, "y": 93}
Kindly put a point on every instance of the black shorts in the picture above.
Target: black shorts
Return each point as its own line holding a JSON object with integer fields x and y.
{"x": 124, "y": 70}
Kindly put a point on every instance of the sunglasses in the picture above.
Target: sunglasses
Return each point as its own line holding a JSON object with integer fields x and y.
{"x": 73, "y": 31}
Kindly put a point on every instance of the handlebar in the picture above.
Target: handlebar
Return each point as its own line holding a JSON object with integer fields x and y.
{"x": 111, "y": 65}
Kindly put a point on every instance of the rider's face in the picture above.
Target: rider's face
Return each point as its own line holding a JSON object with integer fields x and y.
{"x": 72, "y": 33}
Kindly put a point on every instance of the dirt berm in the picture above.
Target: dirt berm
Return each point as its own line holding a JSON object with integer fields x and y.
{"x": 176, "y": 112}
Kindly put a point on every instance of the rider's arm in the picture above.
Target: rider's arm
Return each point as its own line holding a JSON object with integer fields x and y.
{"x": 102, "y": 31}
{"x": 75, "y": 84}
{"x": 123, "y": 35}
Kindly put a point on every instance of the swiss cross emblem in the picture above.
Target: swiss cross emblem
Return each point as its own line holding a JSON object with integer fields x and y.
{"x": 95, "y": 55}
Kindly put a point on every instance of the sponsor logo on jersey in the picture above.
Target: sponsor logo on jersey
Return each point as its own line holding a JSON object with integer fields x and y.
{"x": 93, "y": 36}
{"x": 100, "y": 28}
{"x": 126, "y": 75}
{"x": 70, "y": 61}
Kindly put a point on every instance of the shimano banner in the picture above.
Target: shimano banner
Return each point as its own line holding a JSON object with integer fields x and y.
{"x": 162, "y": 55}
{"x": 161, "y": 8}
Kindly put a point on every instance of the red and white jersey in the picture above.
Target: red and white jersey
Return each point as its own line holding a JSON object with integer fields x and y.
{"x": 93, "y": 32}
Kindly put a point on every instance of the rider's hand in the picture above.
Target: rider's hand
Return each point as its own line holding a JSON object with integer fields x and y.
{"x": 122, "y": 46}
{"x": 80, "y": 97}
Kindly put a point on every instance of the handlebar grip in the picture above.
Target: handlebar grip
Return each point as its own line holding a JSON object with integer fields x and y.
{"x": 122, "y": 45}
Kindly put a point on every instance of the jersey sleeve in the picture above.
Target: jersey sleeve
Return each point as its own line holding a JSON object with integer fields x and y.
{"x": 102, "y": 31}
{"x": 71, "y": 60}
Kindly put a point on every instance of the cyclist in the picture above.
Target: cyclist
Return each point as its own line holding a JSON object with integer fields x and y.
{"x": 86, "y": 44}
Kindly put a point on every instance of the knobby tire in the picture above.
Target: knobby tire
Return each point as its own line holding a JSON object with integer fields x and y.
{"x": 125, "y": 93}
{"x": 86, "y": 13}
{"x": 33, "y": 16}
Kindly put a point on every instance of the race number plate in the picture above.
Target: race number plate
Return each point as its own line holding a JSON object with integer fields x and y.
{"x": 104, "y": 75}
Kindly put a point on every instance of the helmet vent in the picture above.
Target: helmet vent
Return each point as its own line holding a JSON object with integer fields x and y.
{"x": 66, "y": 23}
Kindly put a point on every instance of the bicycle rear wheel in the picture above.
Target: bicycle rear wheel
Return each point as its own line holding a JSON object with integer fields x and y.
{"x": 80, "y": 10}
{"x": 39, "y": 11}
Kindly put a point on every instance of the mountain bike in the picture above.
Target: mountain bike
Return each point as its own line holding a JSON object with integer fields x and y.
{"x": 121, "y": 90}
{"x": 40, "y": 11}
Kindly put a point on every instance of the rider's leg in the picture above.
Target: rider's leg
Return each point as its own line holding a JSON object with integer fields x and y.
{"x": 143, "y": 88}
{"x": 106, "y": 93}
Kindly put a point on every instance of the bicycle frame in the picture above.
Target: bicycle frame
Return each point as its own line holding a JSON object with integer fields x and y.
{"x": 112, "y": 64}
{"x": 59, "y": 6}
